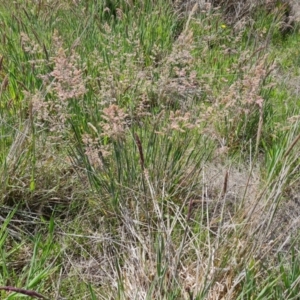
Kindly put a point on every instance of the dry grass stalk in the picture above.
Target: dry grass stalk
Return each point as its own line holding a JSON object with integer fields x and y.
{"x": 19, "y": 142}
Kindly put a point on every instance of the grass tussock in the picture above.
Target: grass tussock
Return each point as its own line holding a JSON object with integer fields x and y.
{"x": 149, "y": 150}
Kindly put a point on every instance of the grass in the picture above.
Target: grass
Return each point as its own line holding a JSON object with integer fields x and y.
{"x": 149, "y": 150}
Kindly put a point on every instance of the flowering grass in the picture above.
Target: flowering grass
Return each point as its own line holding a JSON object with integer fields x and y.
{"x": 149, "y": 150}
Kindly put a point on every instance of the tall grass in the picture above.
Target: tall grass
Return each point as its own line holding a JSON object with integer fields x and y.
{"x": 148, "y": 150}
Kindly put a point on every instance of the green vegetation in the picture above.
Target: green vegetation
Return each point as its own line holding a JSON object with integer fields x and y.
{"x": 149, "y": 150}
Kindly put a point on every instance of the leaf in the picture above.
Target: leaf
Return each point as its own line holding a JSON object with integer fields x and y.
{"x": 32, "y": 185}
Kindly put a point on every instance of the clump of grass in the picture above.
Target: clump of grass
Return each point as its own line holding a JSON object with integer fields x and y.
{"x": 156, "y": 147}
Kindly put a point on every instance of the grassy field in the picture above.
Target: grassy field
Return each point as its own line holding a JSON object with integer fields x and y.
{"x": 149, "y": 150}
